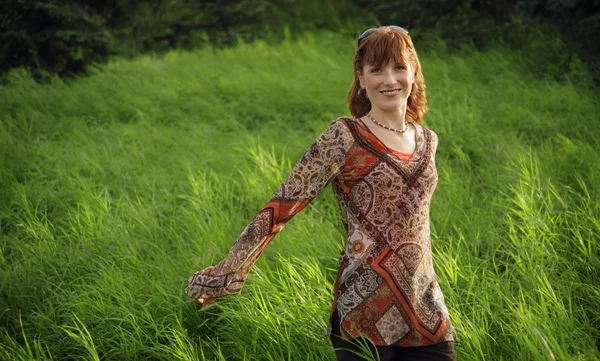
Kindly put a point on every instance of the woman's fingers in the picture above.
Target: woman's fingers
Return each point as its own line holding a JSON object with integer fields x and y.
{"x": 205, "y": 301}
{"x": 207, "y": 270}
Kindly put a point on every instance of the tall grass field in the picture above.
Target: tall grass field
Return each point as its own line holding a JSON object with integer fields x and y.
{"x": 117, "y": 186}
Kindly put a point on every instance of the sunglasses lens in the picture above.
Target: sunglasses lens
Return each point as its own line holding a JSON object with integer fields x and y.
{"x": 399, "y": 28}
{"x": 368, "y": 32}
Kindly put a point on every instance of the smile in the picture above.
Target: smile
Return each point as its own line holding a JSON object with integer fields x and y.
{"x": 391, "y": 92}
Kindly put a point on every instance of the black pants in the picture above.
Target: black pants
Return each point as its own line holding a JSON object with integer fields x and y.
{"x": 347, "y": 350}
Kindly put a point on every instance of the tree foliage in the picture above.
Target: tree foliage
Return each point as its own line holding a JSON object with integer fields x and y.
{"x": 64, "y": 36}
{"x": 53, "y": 36}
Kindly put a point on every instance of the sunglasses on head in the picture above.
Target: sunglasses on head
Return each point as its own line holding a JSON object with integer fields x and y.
{"x": 368, "y": 32}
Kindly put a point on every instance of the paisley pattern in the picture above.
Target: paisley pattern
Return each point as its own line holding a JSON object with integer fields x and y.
{"x": 386, "y": 287}
{"x": 390, "y": 329}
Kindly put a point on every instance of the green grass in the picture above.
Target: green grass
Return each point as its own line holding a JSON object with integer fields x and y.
{"x": 114, "y": 188}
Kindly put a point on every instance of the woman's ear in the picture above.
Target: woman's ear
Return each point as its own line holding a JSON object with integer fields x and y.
{"x": 360, "y": 78}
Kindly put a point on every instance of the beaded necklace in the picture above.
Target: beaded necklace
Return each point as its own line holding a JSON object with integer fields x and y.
{"x": 386, "y": 127}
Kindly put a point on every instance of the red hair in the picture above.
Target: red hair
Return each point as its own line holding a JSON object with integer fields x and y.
{"x": 377, "y": 50}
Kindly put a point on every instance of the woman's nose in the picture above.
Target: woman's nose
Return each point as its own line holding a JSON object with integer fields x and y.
{"x": 389, "y": 78}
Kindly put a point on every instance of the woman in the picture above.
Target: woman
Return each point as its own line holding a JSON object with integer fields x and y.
{"x": 380, "y": 163}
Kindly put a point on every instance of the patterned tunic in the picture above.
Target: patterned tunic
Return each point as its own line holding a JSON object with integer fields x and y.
{"x": 386, "y": 287}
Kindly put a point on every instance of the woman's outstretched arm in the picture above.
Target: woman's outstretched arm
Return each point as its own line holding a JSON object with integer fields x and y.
{"x": 320, "y": 164}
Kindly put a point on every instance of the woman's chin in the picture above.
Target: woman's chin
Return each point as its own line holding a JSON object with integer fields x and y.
{"x": 389, "y": 108}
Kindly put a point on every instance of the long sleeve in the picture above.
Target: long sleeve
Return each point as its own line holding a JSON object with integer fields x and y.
{"x": 318, "y": 166}
{"x": 434, "y": 141}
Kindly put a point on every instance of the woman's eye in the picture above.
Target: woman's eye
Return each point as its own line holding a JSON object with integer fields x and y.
{"x": 375, "y": 70}
{"x": 400, "y": 67}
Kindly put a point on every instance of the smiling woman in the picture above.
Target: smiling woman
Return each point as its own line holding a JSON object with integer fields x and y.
{"x": 388, "y": 88}
{"x": 395, "y": 51}
{"x": 380, "y": 163}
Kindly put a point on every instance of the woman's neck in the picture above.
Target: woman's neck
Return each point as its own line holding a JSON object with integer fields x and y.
{"x": 395, "y": 119}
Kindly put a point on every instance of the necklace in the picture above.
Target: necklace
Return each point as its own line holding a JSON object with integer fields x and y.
{"x": 386, "y": 127}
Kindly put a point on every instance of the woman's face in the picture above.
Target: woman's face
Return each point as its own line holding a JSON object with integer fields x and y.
{"x": 387, "y": 87}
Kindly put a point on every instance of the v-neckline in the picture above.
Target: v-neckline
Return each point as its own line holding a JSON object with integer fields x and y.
{"x": 419, "y": 139}
{"x": 409, "y": 170}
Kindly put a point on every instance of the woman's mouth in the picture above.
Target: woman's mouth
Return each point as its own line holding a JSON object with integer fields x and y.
{"x": 390, "y": 92}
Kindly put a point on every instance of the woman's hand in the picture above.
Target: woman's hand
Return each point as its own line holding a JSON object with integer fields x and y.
{"x": 205, "y": 301}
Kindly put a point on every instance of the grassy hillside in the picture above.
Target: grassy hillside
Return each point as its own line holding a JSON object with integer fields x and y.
{"x": 116, "y": 187}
